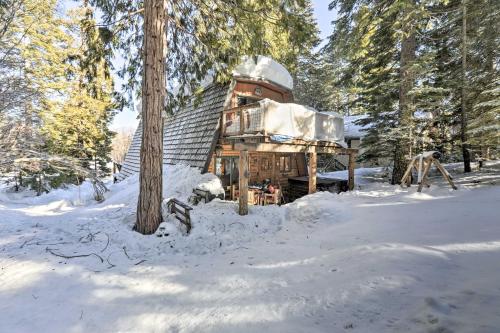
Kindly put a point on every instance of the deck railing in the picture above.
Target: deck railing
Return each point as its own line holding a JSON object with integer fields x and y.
{"x": 236, "y": 121}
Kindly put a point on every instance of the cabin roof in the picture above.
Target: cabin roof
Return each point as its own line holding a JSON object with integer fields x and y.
{"x": 188, "y": 135}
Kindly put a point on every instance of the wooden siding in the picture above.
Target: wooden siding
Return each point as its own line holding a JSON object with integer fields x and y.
{"x": 246, "y": 88}
{"x": 188, "y": 135}
{"x": 267, "y": 166}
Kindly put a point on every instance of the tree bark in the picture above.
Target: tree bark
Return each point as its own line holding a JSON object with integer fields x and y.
{"x": 406, "y": 82}
{"x": 463, "y": 113}
{"x": 153, "y": 101}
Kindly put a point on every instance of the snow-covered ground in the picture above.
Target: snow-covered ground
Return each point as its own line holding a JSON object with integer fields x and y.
{"x": 378, "y": 259}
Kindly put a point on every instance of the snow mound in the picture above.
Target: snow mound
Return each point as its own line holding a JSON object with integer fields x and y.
{"x": 180, "y": 180}
{"x": 264, "y": 68}
{"x": 217, "y": 225}
{"x": 311, "y": 209}
{"x": 72, "y": 195}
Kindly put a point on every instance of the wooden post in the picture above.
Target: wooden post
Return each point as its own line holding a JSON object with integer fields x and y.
{"x": 445, "y": 174}
{"x": 406, "y": 180}
{"x": 242, "y": 122}
{"x": 274, "y": 179}
{"x": 243, "y": 172}
{"x": 352, "y": 162}
{"x": 427, "y": 166}
{"x": 312, "y": 172}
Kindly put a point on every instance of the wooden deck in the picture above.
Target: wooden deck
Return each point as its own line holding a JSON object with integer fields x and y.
{"x": 264, "y": 143}
{"x": 299, "y": 186}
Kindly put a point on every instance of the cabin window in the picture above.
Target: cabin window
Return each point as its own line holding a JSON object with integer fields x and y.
{"x": 266, "y": 164}
{"x": 285, "y": 164}
{"x": 245, "y": 100}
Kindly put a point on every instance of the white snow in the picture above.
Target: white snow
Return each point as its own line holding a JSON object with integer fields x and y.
{"x": 264, "y": 68}
{"x": 378, "y": 259}
{"x": 352, "y": 129}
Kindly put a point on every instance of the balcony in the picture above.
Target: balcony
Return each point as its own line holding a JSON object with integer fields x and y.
{"x": 282, "y": 120}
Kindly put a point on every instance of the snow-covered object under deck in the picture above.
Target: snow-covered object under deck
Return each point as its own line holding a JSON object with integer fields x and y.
{"x": 290, "y": 120}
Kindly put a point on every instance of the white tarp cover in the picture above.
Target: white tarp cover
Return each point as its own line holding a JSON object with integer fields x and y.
{"x": 293, "y": 120}
{"x": 301, "y": 122}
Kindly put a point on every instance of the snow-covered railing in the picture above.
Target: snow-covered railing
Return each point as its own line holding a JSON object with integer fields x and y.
{"x": 237, "y": 121}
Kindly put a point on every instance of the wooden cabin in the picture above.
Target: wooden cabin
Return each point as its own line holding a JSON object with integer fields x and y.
{"x": 216, "y": 133}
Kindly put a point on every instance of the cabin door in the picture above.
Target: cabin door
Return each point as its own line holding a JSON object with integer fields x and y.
{"x": 226, "y": 168}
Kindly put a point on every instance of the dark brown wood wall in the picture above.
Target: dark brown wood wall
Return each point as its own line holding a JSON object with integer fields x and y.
{"x": 267, "y": 166}
{"x": 247, "y": 88}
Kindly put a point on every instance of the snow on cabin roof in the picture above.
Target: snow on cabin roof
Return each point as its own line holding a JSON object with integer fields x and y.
{"x": 188, "y": 134}
{"x": 264, "y": 68}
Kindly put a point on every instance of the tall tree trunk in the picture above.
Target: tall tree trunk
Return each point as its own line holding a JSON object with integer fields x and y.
{"x": 153, "y": 100}
{"x": 406, "y": 81}
{"x": 463, "y": 111}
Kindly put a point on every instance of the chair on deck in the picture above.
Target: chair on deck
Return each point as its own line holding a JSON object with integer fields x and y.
{"x": 272, "y": 198}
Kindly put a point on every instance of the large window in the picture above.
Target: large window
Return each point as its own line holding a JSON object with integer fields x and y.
{"x": 227, "y": 170}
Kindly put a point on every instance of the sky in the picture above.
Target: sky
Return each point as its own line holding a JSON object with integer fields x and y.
{"x": 128, "y": 118}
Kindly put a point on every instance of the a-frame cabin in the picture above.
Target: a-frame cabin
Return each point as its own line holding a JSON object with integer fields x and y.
{"x": 248, "y": 131}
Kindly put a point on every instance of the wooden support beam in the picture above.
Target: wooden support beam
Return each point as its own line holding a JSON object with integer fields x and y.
{"x": 406, "y": 179}
{"x": 242, "y": 122}
{"x": 427, "y": 166}
{"x": 243, "y": 173}
{"x": 352, "y": 163}
{"x": 273, "y": 159}
{"x": 291, "y": 148}
{"x": 445, "y": 174}
{"x": 312, "y": 172}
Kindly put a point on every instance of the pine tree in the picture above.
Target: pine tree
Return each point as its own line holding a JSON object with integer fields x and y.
{"x": 484, "y": 76}
{"x": 58, "y": 92}
{"x": 189, "y": 39}
{"x": 80, "y": 126}
{"x": 32, "y": 58}
{"x": 465, "y": 70}
{"x": 376, "y": 44}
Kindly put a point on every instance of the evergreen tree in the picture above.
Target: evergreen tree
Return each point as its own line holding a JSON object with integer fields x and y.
{"x": 465, "y": 70}
{"x": 377, "y": 45}
{"x": 189, "y": 39}
{"x": 405, "y": 64}
{"x": 33, "y": 61}
{"x": 484, "y": 127}
{"x": 80, "y": 127}
{"x": 56, "y": 92}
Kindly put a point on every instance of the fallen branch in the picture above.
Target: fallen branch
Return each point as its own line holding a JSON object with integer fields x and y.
{"x": 109, "y": 263}
{"x": 140, "y": 262}
{"x": 75, "y": 256}
{"x": 107, "y": 243}
{"x": 125, "y": 251}
{"x": 89, "y": 238}
{"x": 26, "y": 242}
{"x": 40, "y": 242}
